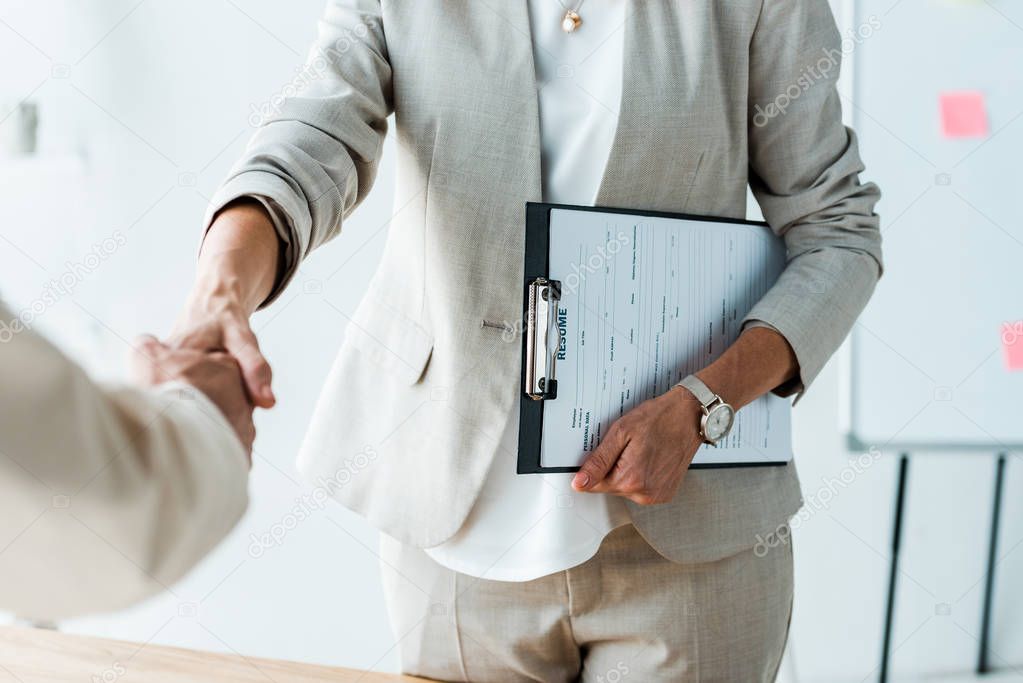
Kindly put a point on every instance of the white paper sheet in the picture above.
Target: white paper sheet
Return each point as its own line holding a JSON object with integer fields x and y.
{"x": 646, "y": 301}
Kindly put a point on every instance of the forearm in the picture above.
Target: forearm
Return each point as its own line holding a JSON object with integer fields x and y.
{"x": 238, "y": 263}
{"x": 760, "y": 360}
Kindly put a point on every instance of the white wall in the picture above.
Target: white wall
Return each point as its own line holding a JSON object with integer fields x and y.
{"x": 152, "y": 112}
{"x": 157, "y": 111}
{"x": 842, "y": 571}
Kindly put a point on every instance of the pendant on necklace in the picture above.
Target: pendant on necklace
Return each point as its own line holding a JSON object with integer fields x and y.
{"x": 571, "y": 21}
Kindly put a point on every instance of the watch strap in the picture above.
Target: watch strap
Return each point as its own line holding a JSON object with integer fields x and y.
{"x": 701, "y": 391}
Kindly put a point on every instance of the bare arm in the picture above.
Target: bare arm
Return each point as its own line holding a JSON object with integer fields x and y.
{"x": 237, "y": 270}
{"x": 759, "y": 361}
{"x": 238, "y": 261}
{"x": 305, "y": 170}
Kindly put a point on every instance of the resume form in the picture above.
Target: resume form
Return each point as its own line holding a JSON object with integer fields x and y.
{"x": 646, "y": 301}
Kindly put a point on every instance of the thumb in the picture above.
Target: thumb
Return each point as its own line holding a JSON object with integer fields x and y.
{"x": 143, "y": 343}
{"x": 144, "y": 359}
{"x": 241, "y": 343}
{"x": 599, "y": 463}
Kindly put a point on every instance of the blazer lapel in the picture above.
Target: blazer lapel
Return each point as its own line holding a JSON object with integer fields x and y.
{"x": 503, "y": 125}
{"x": 653, "y": 163}
{"x": 523, "y": 81}
{"x": 610, "y": 180}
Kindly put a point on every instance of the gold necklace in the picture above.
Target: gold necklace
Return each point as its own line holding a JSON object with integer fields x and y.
{"x": 571, "y": 21}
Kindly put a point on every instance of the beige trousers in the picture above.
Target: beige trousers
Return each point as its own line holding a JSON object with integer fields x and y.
{"x": 627, "y": 614}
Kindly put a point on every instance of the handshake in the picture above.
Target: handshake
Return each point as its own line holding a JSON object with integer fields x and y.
{"x": 220, "y": 357}
{"x": 213, "y": 347}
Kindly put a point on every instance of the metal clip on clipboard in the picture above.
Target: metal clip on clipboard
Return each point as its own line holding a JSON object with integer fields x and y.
{"x": 543, "y": 339}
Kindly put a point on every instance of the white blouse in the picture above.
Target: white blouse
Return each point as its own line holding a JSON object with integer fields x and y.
{"x": 523, "y": 527}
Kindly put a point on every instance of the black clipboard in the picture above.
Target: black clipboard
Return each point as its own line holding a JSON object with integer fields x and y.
{"x": 536, "y": 276}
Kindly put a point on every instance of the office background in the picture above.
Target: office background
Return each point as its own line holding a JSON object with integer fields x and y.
{"x": 142, "y": 106}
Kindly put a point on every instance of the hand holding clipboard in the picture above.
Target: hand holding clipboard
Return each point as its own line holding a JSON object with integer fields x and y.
{"x": 619, "y": 306}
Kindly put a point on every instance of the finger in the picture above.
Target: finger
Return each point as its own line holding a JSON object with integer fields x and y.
{"x": 145, "y": 342}
{"x": 242, "y": 344}
{"x": 143, "y": 361}
{"x": 234, "y": 368}
{"x": 643, "y": 499}
{"x": 599, "y": 462}
{"x": 616, "y": 481}
{"x": 248, "y": 437}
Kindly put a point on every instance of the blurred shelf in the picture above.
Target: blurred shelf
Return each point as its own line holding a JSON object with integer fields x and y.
{"x": 42, "y": 164}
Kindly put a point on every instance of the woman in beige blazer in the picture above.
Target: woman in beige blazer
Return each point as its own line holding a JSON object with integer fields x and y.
{"x": 716, "y": 97}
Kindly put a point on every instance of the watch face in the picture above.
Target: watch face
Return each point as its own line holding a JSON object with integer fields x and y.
{"x": 718, "y": 422}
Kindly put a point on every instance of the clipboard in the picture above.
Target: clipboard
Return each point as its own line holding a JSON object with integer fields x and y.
{"x": 543, "y": 340}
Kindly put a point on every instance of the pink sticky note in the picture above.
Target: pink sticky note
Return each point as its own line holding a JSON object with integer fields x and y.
{"x": 1012, "y": 345}
{"x": 963, "y": 114}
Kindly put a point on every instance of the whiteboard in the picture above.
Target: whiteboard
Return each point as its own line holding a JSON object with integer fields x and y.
{"x": 926, "y": 365}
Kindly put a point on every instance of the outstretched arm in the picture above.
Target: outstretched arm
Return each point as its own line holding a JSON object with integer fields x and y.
{"x": 108, "y": 495}
{"x": 312, "y": 161}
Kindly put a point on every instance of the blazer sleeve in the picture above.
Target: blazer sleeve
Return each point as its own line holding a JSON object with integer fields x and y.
{"x": 107, "y": 495}
{"x": 804, "y": 172}
{"x": 315, "y": 153}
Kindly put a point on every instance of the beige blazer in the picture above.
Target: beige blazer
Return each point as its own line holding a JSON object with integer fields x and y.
{"x": 420, "y": 384}
{"x": 107, "y": 495}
